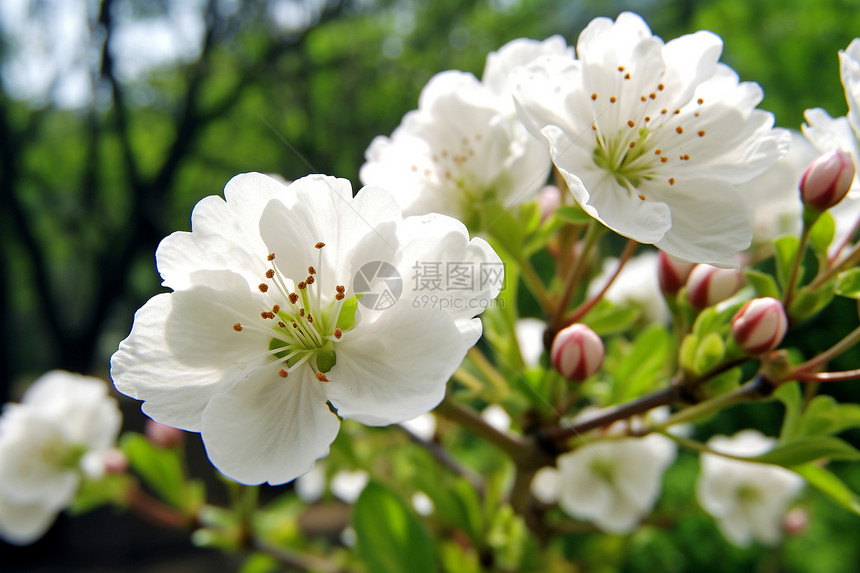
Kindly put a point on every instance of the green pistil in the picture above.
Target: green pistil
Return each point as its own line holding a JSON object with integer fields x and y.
{"x": 616, "y": 156}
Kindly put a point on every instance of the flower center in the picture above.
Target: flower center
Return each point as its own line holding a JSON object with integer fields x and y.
{"x": 303, "y": 328}
{"x": 646, "y": 140}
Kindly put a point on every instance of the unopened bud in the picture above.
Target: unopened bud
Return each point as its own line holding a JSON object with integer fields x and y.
{"x": 577, "y": 352}
{"x": 708, "y": 285}
{"x": 672, "y": 274}
{"x": 796, "y": 522}
{"x": 163, "y": 435}
{"x": 548, "y": 201}
{"x": 760, "y": 325}
{"x": 827, "y": 180}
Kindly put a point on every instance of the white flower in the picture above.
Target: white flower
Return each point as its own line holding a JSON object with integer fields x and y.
{"x": 529, "y": 333}
{"x": 637, "y": 284}
{"x": 348, "y": 485}
{"x": 612, "y": 483}
{"x": 63, "y": 421}
{"x": 423, "y": 426}
{"x": 774, "y": 195}
{"x": 748, "y": 500}
{"x": 264, "y": 330}
{"x": 652, "y": 138}
{"x": 827, "y": 133}
{"x": 464, "y": 146}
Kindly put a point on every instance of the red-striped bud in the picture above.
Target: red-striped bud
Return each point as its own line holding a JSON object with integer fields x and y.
{"x": 672, "y": 274}
{"x": 708, "y": 285}
{"x": 827, "y": 180}
{"x": 577, "y": 352}
{"x": 760, "y": 325}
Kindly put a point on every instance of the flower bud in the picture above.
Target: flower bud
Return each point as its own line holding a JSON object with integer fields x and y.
{"x": 760, "y": 325}
{"x": 708, "y": 285}
{"x": 548, "y": 201}
{"x": 672, "y": 274}
{"x": 577, "y": 352}
{"x": 827, "y": 180}
{"x": 163, "y": 435}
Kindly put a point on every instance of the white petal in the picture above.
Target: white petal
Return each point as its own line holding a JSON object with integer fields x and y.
{"x": 519, "y": 52}
{"x": 24, "y": 523}
{"x": 32, "y": 448}
{"x": 437, "y": 258}
{"x": 183, "y": 350}
{"x": 396, "y": 367}
{"x": 545, "y": 485}
{"x": 267, "y": 428}
{"x": 710, "y": 222}
{"x": 347, "y": 486}
{"x": 224, "y": 235}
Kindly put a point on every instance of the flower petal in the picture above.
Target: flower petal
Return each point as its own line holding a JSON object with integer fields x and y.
{"x": 183, "y": 350}
{"x": 224, "y": 234}
{"x": 396, "y": 367}
{"x": 24, "y": 523}
{"x": 269, "y": 429}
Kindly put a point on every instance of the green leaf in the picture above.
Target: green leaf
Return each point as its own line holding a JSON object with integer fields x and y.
{"x": 110, "y": 489}
{"x": 161, "y": 469}
{"x": 606, "y": 318}
{"x": 809, "y": 302}
{"x": 791, "y": 396}
{"x": 825, "y": 416}
{"x": 638, "y": 369}
{"x": 827, "y": 483}
{"x": 502, "y": 226}
{"x": 573, "y": 214}
{"x": 390, "y": 537}
{"x": 786, "y": 250}
{"x": 709, "y": 353}
{"x": 848, "y": 283}
{"x": 822, "y": 233}
{"x": 807, "y": 449}
{"x": 763, "y": 283}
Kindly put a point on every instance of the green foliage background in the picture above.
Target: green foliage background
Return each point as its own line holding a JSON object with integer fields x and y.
{"x": 86, "y": 194}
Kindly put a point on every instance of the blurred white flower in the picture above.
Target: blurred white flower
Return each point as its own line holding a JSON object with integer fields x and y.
{"x": 423, "y": 426}
{"x": 529, "y": 333}
{"x": 348, "y": 485}
{"x": 464, "y": 146}
{"x": 64, "y": 426}
{"x": 264, "y": 328}
{"x": 652, "y": 138}
{"x": 613, "y": 483}
{"x": 310, "y": 486}
{"x": 497, "y": 417}
{"x": 637, "y": 284}
{"x": 827, "y": 133}
{"x": 748, "y": 500}
{"x": 774, "y": 195}
{"x": 422, "y": 504}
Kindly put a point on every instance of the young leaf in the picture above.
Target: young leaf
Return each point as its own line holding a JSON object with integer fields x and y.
{"x": 827, "y": 483}
{"x": 573, "y": 214}
{"x": 390, "y": 537}
{"x": 637, "y": 371}
{"x": 160, "y": 468}
{"x": 807, "y": 449}
{"x": 763, "y": 283}
{"x": 848, "y": 283}
{"x": 786, "y": 250}
{"x": 791, "y": 396}
{"x": 822, "y": 232}
{"x": 825, "y": 416}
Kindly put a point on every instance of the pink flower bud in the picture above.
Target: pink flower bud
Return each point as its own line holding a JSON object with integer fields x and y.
{"x": 707, "y": 285}
{"x": 115, "y": 462}
{"x": 760, "y": 325}
{"x": 672, "y": 274}
{"x": 548, "y": 201}
{"x": 162, "y": 435}
{"x": 827, "y": 180}
{"x": 577, "y": 352}
{"x": 796, "y": 521}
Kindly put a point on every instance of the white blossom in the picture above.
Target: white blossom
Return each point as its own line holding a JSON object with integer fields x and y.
{"x": 48, "y": 444}
{"x": 748, "y": 500}
{"x": 612, "y": 483}
{"x": 637, "y": 284}
{"x": 827, "y": 133}
{"x": 289, "y": 303}
{"x": 653, "y": 138}
{"x": 464, "y": 146}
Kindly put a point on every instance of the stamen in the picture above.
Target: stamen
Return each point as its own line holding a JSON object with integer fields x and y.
{"x": 309, "y": 280}
{"x": 283, "y": 373}
{"x": 593, "y": 97}
{"x": 319, "y": 245}
{"x": 679, "y": 130}
{"x": 630, "y": 123}
{"x": 321, "y": 377}
{"x": 338, "y": 333}
{"x": 276, "y": 309}
{"x": 702, "y": 133}
{"x": 270, "y": 274}
{"x": 293, "y": 298}
{"x": 671, "y": 181}
{"x": 263, "y": 287}
{"x": 312, "y": 271}
{"x": 271, "y": 257}
{"x": 237, "y": 327}
{"x": 612, "y": 99}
